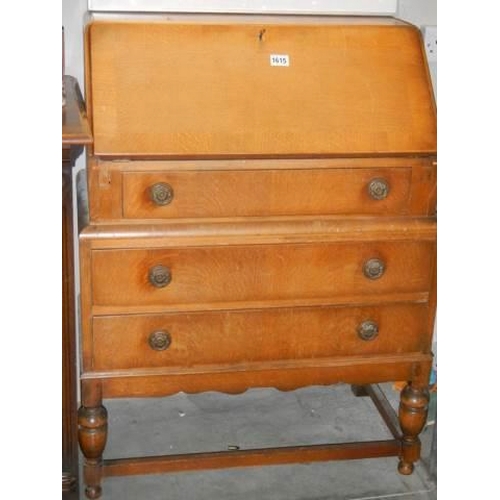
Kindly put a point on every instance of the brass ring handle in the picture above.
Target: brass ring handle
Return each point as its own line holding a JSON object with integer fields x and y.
{"x": 368, "y": 330}
{"x": 160, "y": 340}
{"x": 374, "y": 268}
{"x": 159, "y": 276}
{"x": 161, "y": 193}
{"x": 378, "y": 188}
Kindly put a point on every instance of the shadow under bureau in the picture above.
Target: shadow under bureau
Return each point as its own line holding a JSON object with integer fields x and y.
{"x": 260, "y": 213}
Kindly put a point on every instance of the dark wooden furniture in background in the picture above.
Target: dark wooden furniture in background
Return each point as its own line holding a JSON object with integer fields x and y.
{"x": 75, "y": 134}
{"x": 262, "y": 195}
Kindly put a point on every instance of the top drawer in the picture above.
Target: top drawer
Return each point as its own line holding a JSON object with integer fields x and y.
{"x": 186, "y": 189}
{"x": 178, "y": 87}
{"x": 265, "y": 193}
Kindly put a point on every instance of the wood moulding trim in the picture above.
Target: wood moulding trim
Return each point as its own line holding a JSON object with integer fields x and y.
{"x": 342, "y": 301}
{"x": 262, "y": 366}
{"x": 281, "y": 375}
{"x": 258, "y": 231}
{"x": 163, "y": 166}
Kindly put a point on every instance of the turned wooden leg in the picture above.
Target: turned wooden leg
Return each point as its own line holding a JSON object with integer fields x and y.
{"x": 412, "y": 417}
{"x": 92, "y": 435}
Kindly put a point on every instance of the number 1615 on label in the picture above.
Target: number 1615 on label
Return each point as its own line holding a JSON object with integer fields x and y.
{"x": 280, "y": 59}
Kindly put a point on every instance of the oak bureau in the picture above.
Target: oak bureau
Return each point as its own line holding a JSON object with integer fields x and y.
{"x": 261, "y": 213}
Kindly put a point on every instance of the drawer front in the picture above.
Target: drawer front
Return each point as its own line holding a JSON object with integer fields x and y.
{"x": 250, "y": 273}
{"x": 232, "y": 337}
{"x": 265, "y": 192}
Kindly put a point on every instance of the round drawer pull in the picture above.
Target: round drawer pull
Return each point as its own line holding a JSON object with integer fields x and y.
{"x": 367, "y": 330}
{"x": 159, "y": 341}
{"x": 378, "y": 188}
{"x": 374, "y": 268}
{"x": 161, "y": 193}
{"x": 159, "y": 276}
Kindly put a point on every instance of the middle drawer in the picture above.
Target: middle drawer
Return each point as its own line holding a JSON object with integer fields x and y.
{"x": 202, "y": 276}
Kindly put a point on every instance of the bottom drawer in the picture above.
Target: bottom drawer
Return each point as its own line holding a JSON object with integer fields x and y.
{"x": 244, "y": 336}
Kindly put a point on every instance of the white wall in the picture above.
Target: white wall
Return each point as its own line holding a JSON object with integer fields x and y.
{"x": 418, "y": 12}
{"x": 73, "y": 12}
{"x": 269, "y": 6}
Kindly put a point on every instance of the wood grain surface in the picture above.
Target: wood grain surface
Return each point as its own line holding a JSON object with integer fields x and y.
{"x": 121, "y": 190}
{"x": 257, "y": 273}
{"x": 242, "y": 336}
{"x": 174, "y": 89}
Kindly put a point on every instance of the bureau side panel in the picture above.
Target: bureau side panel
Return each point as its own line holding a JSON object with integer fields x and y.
{"x": 85, "y": 304}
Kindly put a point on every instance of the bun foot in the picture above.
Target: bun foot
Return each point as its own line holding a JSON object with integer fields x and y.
{"x": 93, "y": 492}
{"x": 405, "y": 468}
